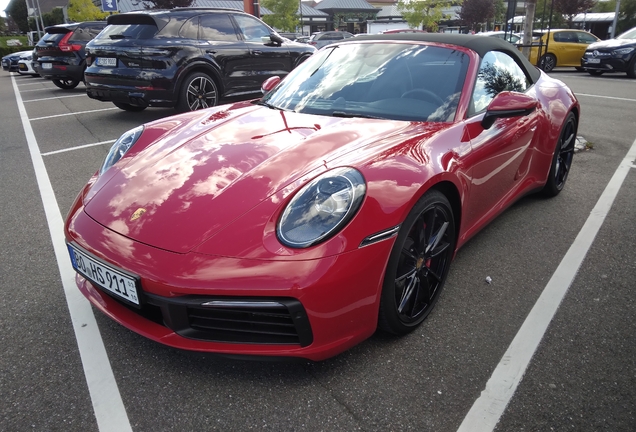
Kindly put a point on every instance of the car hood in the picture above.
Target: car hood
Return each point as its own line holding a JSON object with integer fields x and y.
{"x": 611, "y": 43}
{"x": 191, "y": 182}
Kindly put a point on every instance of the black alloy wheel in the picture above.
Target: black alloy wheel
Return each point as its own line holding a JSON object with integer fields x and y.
{"x": 66, "y": 84}
{"x": 548, "y": 62}
{"x": 197, "y": 92}
{"x": 562, "y": 159}
{"x": 129, "y": 107}
{"x": 418, "y": 264}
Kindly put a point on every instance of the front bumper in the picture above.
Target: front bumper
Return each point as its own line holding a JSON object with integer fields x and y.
{"x": 311, "y": 309}
{"x": 606, "y": 64}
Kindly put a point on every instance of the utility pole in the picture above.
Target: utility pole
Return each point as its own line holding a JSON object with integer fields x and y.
{"x": 618, "y": 6}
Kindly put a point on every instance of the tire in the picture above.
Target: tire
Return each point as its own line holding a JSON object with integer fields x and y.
{"x": 129, "y": 107}
{"x": 418, "y": 264}
{"x": 562, "y": 159}
{"x": 66, "y": 84}
{"x": 197, "y": 91}
{"x": 631, "y": 69}
{"x": 595, "y": 72}
{"x": 548, "y": 62}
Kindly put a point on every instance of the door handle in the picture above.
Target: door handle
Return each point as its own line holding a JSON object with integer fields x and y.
{"x": 257, "y": 52}
{"x": 210, "y": 51}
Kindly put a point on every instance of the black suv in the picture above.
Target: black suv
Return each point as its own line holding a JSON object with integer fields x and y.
{"x": 613, "y": 55}
{"x": 60, "y": 53}
{"x": 187, "y": 58}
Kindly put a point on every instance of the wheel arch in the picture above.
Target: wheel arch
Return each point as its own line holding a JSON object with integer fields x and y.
{"x": 202, "y": 67}
{"x": 449, "y": 189}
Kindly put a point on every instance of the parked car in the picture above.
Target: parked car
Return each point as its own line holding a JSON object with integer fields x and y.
{"x": 61, "y": 52}
{"x": 613, "y": 55}
{"x": 297, "y": 224}
{"x": 510, "y": 37}
{"x": 560, "y": 47}
{"x": 186, "y": 58}
{"x": 25, "y": 65}
{"x": 10, "y": 61}
{"x": 322, "y": 39}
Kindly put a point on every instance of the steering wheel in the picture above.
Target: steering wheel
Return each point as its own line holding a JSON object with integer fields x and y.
{"x": 423, "y": 94}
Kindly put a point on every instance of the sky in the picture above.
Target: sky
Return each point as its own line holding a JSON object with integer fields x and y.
{"x": 3, "y": 6}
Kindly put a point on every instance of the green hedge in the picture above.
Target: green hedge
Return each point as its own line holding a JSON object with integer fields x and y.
{"x": 9, "y": 50}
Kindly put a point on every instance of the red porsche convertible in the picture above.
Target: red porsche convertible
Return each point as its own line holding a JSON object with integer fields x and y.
{"x": 297, "y": 224}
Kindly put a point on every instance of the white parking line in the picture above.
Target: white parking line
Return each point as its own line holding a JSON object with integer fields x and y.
{"x": 73, "y": 113}
{"x": 39, "y": 89}
{"x": 57, "y": 97}
{"x": 606, "y": 97}
{"x": 107, "y": 403}
{"x": 31, "y": 84}
{"x": 77, "y": 148}
{"x": 490, "y": 406}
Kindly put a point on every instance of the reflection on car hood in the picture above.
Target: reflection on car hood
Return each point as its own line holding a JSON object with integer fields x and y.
{"x": 611, "y": 43}
{"x": 177, "y": 192}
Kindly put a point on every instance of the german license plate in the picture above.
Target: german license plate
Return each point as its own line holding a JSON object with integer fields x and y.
{"x": 593, "y": 60}
{"x": 107, "y": 277}
{"x": 47, "y": 65}
{"x": 106, "y": 61}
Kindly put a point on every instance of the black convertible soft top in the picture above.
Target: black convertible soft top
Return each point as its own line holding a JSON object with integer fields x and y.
{"x": 480, "y": 44}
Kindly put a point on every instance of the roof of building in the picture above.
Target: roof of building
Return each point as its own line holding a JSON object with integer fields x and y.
{"x": 344, "y": 4}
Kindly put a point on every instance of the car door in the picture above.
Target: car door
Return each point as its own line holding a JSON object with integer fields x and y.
{"x": 567, "y": 48}
{"x": 500, "y": 155}
{"x": 266, "y": 58}
{"x": 222, "y": 45}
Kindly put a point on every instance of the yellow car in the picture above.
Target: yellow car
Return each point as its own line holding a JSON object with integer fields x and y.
{"x": 565, "y": 47}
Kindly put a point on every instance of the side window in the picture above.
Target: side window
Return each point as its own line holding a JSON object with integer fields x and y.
{"x": 216, "y": 27}
{"x": 252, "y": 29}
{"x": 566, "y": 36}
{"x": 190, "y": 29}
{"x": 586, "y": 38}
{"x": 498, "y": 72}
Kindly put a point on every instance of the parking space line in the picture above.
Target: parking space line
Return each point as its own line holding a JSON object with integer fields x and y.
{"x": 108, "y": 406}
{"x": 490, "y": 406}
{"x": 30, "y": 84}
{"x": 77, "y": 147}
{"x": 57, "y": 97}
{"x": 39, "y": 89}
{"x": 606, "y": 97}
{"x": 73, "y": 113}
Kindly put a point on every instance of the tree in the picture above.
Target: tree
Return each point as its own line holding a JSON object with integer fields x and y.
{"x": 531, "y": 6}
{"x": 474, "y": 12}
{"x": 500, "y": 11}
{"x": 17, "y": 10}
{"x": 626, "y": 16}
{"x": 3, "y": 25}
{"x": 284, "y": 15}
{"x": 84, "y": 10}
{"x": 167, "y": 4}
{"x": 569, "y": 8}
{"x": 56, "y": 16}
{"x": 424, "y": 13}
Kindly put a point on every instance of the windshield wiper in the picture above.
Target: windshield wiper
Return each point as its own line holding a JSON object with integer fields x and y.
{"x": 268, "y": 105}
{"x": 352, "y": 115}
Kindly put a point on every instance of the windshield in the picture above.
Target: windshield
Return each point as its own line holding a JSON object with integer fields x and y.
{"x": 397, "y": 81}
{"x": 629, "y": 34}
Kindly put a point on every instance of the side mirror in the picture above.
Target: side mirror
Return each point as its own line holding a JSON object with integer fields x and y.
{"x": 269, "y": 84}
{"x": 272, "y": 38}
{"x": 508, "y": 104}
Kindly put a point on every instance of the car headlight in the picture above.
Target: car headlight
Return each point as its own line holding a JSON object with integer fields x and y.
{"x": 121, "y": 146}
{"x": 622, "y": 51}
{"x": 321, "y": 208}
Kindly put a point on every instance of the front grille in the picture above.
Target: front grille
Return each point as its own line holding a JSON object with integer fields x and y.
{"x": 236, "y": 320}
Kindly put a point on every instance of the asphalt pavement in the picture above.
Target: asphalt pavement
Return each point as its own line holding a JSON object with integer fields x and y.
{"x": 582, "y": 376}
